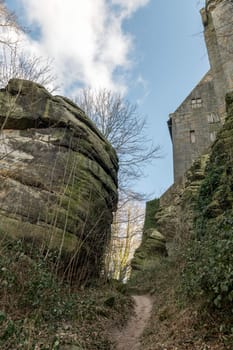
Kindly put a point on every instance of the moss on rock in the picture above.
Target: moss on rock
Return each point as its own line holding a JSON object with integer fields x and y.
{"x": 209, "y": 268}
{"x": 152, "y": 246}
{"x": 58, "y": 173}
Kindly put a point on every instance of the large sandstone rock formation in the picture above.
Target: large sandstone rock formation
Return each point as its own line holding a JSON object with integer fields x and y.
{"x": 153, "y": 245}
{"x": 195, "y": 217}
{"x": 58, "y": 176}
{"x": 176, "y": 213}
{"x": 171, "y": 221}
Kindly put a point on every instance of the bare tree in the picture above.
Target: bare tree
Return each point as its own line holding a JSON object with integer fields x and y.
{"x": 126, "y": 236}
{"x": 124, "y": 128}
{"x": 8, "y": 23}
{"x": 15, "y": 61}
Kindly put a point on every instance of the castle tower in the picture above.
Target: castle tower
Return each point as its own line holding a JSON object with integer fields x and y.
{"x": 193, "y": 126}
{"x": 218, "y": 30}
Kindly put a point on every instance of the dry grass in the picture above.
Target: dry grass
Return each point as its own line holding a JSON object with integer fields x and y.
{"x": 39, "y": 312}
{"x": 176, "y": 326}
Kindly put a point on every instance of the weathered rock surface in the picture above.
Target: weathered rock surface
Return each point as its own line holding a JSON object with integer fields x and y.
{"x": 173, "y": 217}
{"x": 58, "y": 175}
{"x": 197, "y": 204}
{"x": 211, "y": 268}
{"x": 152, "y": 246}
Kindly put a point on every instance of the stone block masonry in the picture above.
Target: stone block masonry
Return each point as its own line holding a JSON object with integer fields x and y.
{"x": 193, "y": 126}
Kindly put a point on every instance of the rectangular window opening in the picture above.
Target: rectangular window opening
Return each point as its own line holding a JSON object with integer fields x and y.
{"x": 192, "y": 136}
{"x": 213, "y": 118}
{"x": 213, "y": 136}
{"x": 196, "y": 103}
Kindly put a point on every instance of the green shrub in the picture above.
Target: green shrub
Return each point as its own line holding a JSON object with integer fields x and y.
{"x": 209, "y": 267}
{"x": 208, "y": 272}
{"x": 38, "y": 310}
{"x": 151, "y": 209}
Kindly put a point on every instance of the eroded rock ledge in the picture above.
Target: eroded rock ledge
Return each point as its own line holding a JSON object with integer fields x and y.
{"x": 58, "y": 176}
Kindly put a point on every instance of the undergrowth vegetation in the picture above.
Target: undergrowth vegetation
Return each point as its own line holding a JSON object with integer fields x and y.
{"x": 209, "y": 267}
{"x": 38, "y": 311}
{"x": 193, "y": 287}
{"x": 182, "y": 317}
{"x": 151, "y": 208}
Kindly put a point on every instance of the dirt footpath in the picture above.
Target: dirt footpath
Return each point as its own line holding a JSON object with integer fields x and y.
{"x": 128, "y": 338}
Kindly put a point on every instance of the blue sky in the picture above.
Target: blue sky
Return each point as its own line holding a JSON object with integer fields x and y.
{"x": 156, "y": 46}
{"x": 172, "y": 59}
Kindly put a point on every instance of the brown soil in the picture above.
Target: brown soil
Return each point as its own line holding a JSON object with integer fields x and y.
{"x": 128, "y": 338}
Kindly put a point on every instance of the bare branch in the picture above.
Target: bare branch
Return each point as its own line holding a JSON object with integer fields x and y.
{"x": 15, "y": 62}
{"x": 8, "y": 22}
{"x": 126, "y": 237}
{"x": 125, "y": 129}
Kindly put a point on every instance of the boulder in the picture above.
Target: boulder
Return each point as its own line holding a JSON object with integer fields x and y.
{"x": 153, "y": 246}
{"x": 58, "y": 176}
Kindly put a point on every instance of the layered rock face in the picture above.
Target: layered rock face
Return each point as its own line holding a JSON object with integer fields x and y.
{"x": 153, "y": 243}
{"x": 215, "y": 200}
{"x": 174, "y": 219}
{"x": 58, "y": 176}
{"x": 171, "y": 221}
{"x": 153, "y": 246}
{"x": 198, "y": 211}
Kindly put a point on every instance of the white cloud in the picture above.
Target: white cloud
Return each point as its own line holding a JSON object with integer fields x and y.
{"x": 85, "y": 38}
{"x": 130, "y": 6}
{"x": 142, "y": 84}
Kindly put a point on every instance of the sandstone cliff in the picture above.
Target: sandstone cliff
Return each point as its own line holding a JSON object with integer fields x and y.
{"x": 58, "y": 177}
{"x": 169, "y": 219}
{"x": 193, "y": 286}
{"x": 195, "y": 217}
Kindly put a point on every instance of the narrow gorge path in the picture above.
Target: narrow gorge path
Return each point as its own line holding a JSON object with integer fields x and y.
{"x": 128, "y": 338}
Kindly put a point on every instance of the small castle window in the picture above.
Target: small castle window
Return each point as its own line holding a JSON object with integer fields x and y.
{"x": 192, "y": 136}
{"x": 196, "y": 103}
{"x": 213, "y": 118}
{"x": 216, "y": 118}
{"x": 213, "y": 136}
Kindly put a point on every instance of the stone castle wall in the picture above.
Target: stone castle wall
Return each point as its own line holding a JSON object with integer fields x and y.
{"x": 194, "y": 124}
{"x": 217, "y": 21}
